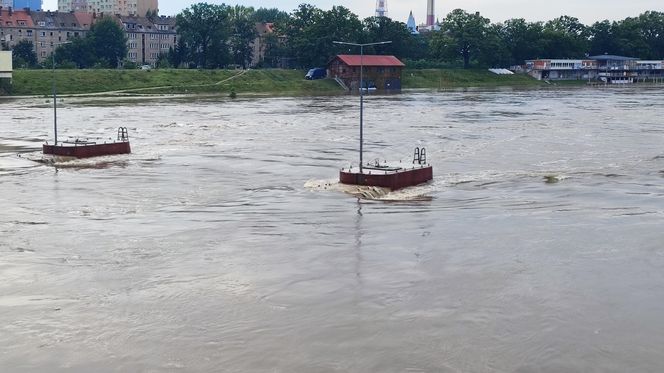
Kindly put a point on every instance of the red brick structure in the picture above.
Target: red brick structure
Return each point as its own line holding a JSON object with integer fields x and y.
{"x": 381, "y": 72}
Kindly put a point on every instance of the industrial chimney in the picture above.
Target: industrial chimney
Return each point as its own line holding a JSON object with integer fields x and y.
{"x": 431, "y": 12}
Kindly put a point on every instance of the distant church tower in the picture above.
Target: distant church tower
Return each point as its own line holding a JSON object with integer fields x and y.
{"x": 431, "y": 12}
{"x": 412, "y": 26}
{"x": 381, "y": 8}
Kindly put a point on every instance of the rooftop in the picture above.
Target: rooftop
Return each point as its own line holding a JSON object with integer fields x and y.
{"x": 611, "y": 57}
{"x": 370, "y": 60}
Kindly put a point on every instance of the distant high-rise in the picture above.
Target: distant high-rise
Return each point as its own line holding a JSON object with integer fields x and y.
{"x": 73, "y": 5}
{"x": 431, "y": 13}
{"x": 381, "y": 8}
{"x": 120, "y": 7}
{"x": 32, "y": 4}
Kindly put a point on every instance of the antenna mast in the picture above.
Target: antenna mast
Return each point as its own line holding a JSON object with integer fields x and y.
{"x": 381, "y": 8}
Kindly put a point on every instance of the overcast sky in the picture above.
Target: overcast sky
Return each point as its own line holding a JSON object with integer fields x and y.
{"x": 587, "y": 11}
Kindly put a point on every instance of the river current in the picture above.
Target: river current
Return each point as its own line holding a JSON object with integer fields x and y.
{"x": 225, "y": 244}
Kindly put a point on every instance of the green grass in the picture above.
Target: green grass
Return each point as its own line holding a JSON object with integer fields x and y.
{"x": 454, "y": 78}
{"x": 267, "y": 82}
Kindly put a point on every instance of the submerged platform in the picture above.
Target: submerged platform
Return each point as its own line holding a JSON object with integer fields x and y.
{"x": 387, "y": 176}
{"x": 87, "y": 150}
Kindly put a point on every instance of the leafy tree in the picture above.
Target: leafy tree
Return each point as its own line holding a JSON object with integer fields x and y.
{"x": 299, "y": 33}
{"x": 274, "y": 51}
{"x": 271, "y": 15}
{"x": 311, "y": 32}
{"x": 108, "y": 41}
{"x": 523, "y": 40}
{"x": 205, "y": 28}
{"x": 463, "y": 36}
{"x": 177, "y": 55}
{"x": 629, "y": 38}
{"x": 652, "y": 31}
{"x": 602, "y": 38}
{"x": 565, "y": 37}
{"x": 384, "y": 29}
{"x": 24, "y": 55}
{"x": 79, "y": 52}
{"x": 243, "y": 34}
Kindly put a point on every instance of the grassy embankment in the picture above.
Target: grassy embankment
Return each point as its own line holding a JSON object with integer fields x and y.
{"x": 268, "y": 82}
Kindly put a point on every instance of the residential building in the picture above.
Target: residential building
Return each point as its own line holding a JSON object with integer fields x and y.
{"x": 73, "y": 5}
{"x": 51, "y": 29}
{"x": 147, "y": 40}
{"x": 15, "y": 26}
{"x": 112, "y": 7}
{"x": 381, "y": 72}
{"x": 6, "y": 3}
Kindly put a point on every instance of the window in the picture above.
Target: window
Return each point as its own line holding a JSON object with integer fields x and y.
{"x": 42, "y": 34}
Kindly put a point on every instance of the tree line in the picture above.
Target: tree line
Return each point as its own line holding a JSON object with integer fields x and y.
{"x": 218, "y": 36}
{"x": 212, "y": 36}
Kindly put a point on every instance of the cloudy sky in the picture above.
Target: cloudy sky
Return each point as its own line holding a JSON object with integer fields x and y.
{"x": 587, "y": 11}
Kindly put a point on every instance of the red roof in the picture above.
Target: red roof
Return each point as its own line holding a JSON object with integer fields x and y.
{"x": 370, "y": 60}
{"x": 18, "y": 18}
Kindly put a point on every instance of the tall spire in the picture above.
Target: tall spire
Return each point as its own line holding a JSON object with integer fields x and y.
{"x": 431, "y": 12}
{"x": 412, "y": 26}
{"x": 381, "y": 8}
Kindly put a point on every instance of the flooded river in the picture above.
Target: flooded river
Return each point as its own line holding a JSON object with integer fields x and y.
{"x": 224, "y": 244}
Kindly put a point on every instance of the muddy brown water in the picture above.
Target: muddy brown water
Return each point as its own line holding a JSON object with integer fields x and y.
{"x": 223, "y": 243}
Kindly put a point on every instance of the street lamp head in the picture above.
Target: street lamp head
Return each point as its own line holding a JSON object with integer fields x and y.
{"x": 362, "y": 45}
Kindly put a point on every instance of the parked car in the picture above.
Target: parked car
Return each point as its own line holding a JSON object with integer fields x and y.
{"x": 316, "y": 73}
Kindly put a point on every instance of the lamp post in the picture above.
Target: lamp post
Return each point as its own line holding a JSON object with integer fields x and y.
{"x": 55, "y": 107}
{"x": 362, "y": 89}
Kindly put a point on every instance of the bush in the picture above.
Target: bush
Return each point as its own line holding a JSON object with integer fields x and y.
{"x": 427, "y": 64}
{"x": 5, "y": 87}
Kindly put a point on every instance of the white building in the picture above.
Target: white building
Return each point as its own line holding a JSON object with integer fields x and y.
{"x": 6, "y": 65}
{"x": 137, "y": 8}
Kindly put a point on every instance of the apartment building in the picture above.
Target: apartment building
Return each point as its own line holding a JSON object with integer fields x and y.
{"x": 46, "y": 30}
{"x": 73, "y": 5}
{"x": 51, "y": 29}
{"x": 114, "y": 7}
{"x": 15, "y": 26}
{"x": 147, "y": 39}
